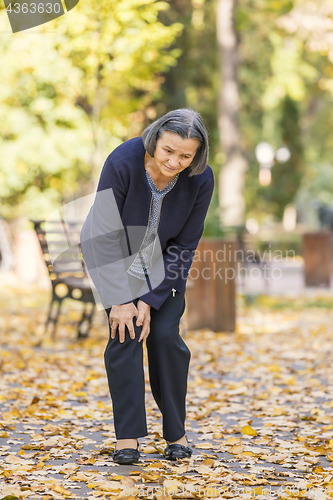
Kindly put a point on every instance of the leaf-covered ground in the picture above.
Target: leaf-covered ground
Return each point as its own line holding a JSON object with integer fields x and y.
{"x": 259, "y": 407}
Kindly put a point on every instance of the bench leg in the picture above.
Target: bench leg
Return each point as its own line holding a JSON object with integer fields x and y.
{"x": 53, "y": 316}
{"x": 86, "y": 320}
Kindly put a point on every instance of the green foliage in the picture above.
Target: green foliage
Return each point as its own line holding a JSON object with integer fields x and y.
{"x": 121, "y": 48}
{"x": 297, "y": 303}
{"x": 100, "y": 74}
{"x": 279, "y": 91}
{"x": 71, "y": 93}
{"x": 290, "y": 244}
{"x": 194, "y": 81}
{"x": 286, "y": 177}
{"x": 273, "y": 73}
{"x": 316, "y": 186}
{"x": 213, "y": 220}
{"x": 289, "y": 71}
{"x": 44, "y": 137}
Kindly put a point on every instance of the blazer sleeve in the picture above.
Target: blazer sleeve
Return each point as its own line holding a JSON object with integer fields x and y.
{"x": 179, "y": 254}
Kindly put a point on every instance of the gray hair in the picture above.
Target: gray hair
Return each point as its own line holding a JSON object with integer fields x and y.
{"x": 188, "y": 124}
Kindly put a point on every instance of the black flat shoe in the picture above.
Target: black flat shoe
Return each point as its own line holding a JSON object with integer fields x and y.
{"x": 126, "y": 456}
{"x": 177, "y": 451}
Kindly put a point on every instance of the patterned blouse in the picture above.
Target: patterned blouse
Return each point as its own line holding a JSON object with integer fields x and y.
{"x": 142, "y": 264}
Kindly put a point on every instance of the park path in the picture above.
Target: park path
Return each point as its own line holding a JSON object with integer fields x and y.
{"x": 259, "y": 407}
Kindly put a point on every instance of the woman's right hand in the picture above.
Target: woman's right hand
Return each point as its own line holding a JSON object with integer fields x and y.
{"x": 120, "y": 317}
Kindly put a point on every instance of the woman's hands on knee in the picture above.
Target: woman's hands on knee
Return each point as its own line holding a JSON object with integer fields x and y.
{"x": 143, "y": 319}
{"x": 122, "y": 316}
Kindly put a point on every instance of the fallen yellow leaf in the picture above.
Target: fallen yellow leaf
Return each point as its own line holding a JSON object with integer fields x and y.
{"x": 248, "y": 454}
{"x": 232, "y": 441}
{"x": 127, "y": 481}
{"x": 172, "y": 485}
{"x": 209, "y": 462}
{"x": 151, "y": 449}
{"x": 205, "y": 446}
{"x": 248, "y": 430}
{"x": 235, "y": 450}
{"x": 31, "y": 410}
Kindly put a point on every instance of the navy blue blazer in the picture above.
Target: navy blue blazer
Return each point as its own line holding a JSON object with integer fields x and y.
{"x": 182, "y": 217}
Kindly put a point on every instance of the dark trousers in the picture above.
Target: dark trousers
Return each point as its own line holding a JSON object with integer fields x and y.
{"x": 168, "y": 361}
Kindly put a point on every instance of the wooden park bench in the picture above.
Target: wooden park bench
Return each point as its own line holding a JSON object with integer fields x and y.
{"x": 67, "y": 273}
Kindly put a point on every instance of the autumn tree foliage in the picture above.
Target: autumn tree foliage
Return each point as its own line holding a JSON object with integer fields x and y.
{"x": 71, "y": 92}
{"x": 284, "y": 72}
{"x": 85, "y": 82}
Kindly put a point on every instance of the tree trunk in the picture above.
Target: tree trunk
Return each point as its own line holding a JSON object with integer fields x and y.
{"x": 231, "y": 178}
{"x": 7, "y": 259}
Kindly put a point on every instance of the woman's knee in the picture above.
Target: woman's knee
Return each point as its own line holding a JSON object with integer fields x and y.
{"x": 117, "y": 351}
{"x": 165, "y": 337}
{"x": 165, "y": 343}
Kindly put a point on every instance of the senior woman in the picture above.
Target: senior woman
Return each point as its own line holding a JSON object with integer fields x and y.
{"x": 160, "y": 181}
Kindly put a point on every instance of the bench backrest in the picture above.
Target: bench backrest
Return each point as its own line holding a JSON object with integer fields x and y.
{"x": 60, "y": 245}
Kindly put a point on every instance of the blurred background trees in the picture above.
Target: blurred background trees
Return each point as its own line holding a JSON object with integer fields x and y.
{"x": 71, "y": 94}
{"x": 83, "y": 83}
{"x": 285, "y": 84}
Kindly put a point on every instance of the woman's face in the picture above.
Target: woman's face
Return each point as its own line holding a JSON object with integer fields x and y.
{"x": 173, "y": 154}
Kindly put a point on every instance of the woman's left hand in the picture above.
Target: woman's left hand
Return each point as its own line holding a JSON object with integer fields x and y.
{"x": 143, "y": 319}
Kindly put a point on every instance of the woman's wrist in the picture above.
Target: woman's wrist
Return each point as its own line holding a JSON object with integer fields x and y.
{"x": 140, "y": 300}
